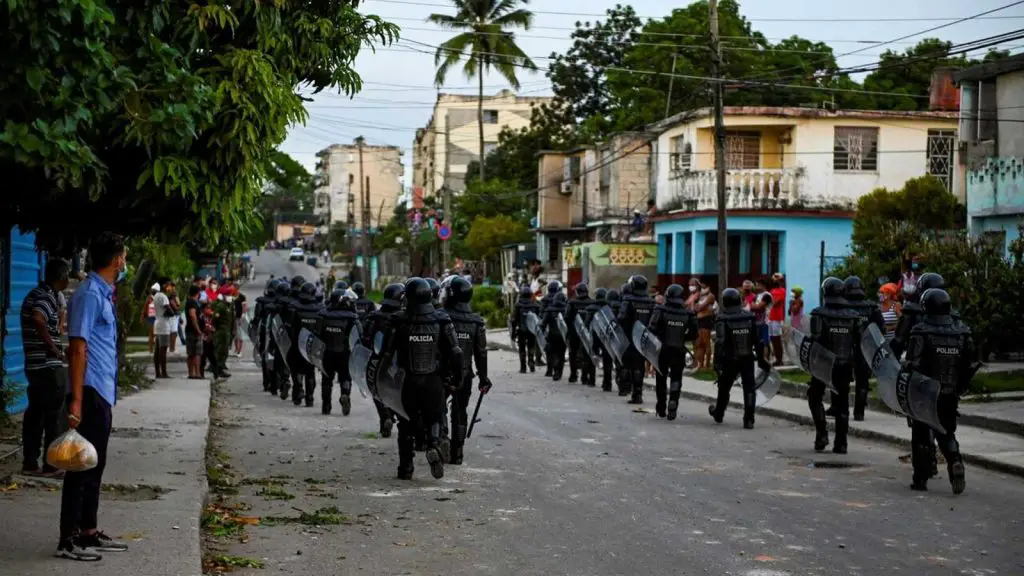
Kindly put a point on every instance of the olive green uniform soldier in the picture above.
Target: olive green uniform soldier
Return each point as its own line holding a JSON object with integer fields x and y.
{"x": 223, "y": 324}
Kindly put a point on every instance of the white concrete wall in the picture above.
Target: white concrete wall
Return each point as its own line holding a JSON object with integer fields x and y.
{"x": 1010, "y": 111}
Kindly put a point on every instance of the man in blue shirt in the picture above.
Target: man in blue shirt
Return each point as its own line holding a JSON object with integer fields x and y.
{"x": 92, "y": 371}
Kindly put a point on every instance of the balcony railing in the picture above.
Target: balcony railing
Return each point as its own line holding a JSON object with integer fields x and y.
{"x": 758, "y": 189}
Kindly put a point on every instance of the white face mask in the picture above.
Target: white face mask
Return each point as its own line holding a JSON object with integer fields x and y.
{"x": 693, "y": 288}
{"x": 705, "y": 290}
{"x": 229, "y": 298}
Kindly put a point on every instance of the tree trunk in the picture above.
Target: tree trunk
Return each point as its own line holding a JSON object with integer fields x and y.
{"x": 480, "y": 116}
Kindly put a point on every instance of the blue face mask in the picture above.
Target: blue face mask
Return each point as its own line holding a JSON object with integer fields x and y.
{"x": 122, "y": 273}
{"x": 913, "y": 266}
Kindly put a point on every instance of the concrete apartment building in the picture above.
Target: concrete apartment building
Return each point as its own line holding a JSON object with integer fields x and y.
{"x": 338, "y": 197}
{"x": 451, "y": 138}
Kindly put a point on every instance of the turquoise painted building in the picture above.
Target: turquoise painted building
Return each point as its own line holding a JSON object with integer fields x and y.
{"x": 21, "y": 269}
{"x": 760, "y": 244}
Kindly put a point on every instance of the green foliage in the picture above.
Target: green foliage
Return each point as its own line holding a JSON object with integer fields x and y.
{"x": 489, "y": 303}
{"x": 488, "y": 234}
{"x": 8, "y": 389}
{"x": 171, "y": 260}
{"x": 159, "y": 118}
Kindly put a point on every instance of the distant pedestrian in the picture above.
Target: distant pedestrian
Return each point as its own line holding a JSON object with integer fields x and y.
{"x": 891, "y": 308}
{"x": 705, "y": 309}
{"x": 162, "y": 329}
{"x": 241, "y": 309}
{"x": 796, "y": 309}
{"x": 92, "y": 358}
{"x": 194, "y": 331}
{"x": 777, "y": 315}
{"x": 149, "y": 316}
{"x": 44, "y": 366}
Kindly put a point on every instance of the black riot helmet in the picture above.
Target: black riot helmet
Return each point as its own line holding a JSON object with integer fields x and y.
{"x": 853, "y": 288}
{"x": 393, "y": 294}
{"x": 731, "y": 298}
{"x": 930, "y": 280}
{"x": 281, "y": 289}
{"x": 935, "y": 301}
{"x": 600, "y": 295}
{"x": 435, "y": 289}
{"x": 582, "y": 290}
{"x": 625, "y": 289}
{"x": 525, "y": 293}
{"x": 307, "y": 293}
{"x": 613, "y": 295}
{"x": 297, "y": 282}
{"x": 561, "y": 298}
{"x": 334, "y": 301}
{"x": 418, "y": 297}
{"x": 359, "y": 289}
{"x": 341, "y": 284}
{"x": 554, "y": 287}
{"x": 674, "y": 295}
{"x": 638, "y": 285}
{"x": 832, "y": 287}
{"x": 269, "y": 289}
{"x": 459, "y": 291}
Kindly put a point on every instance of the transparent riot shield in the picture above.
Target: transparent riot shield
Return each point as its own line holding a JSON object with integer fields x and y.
{"x": 508, "y": 324}
{"x": 767, "y": 383}
{"x": 280, "y": 335}
{"x": 814, "y": 358}
{"x": 647, "y": 344}
{"x": 903, "y": 390}
{"x": 385, "y": 380}
{"x": 586, "y": 340}
{"x": 608, "y": 331}
{"x": 312, "y": 349}
{"x": 563, "y": 329}
{"x": 252, "y": 330}
{"x": 358, "y": 360}
{"x": 533, "y": 325}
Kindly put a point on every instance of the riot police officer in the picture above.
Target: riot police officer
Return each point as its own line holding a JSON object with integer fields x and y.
{"x": 435, "y": 292}
{"x": 600, "y": 301}
{"x": 637, "y": 306}
{"x": 940, "y": 347}
{"x": 615, "y": 304}
{"x": 305, "y": 315}
{"x": 554, "y": 287}
{"x": 280, "y": 375}
{"x": 426, "y": 348}
{"x": 556, "y": 342}
{"x": 374, "y": 323}
{"x": 737, "y": 346}
{"x": 288, "y": 306}
{"x": 337, "y": 322}
{"x": 674, "y": 325}
{"x": 526, "y": 340}
{"x": 836, "y": 328}
{"x": 471, "y": 331}
{"x": 260, "y": 316}
{"x": 870, "y": 313}
{"x": 363, "y": 305}
{"x": 576, "y": 305}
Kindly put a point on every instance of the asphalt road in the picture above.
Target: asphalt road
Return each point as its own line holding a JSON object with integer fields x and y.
{"x": 564, "y": 480}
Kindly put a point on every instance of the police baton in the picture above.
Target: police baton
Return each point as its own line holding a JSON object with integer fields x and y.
{"x": 474, "y": 419}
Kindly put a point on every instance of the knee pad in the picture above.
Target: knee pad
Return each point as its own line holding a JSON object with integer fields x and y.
{"x": 675, "y": 386}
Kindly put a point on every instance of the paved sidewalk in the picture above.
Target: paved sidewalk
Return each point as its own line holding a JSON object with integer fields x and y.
{"x": 154, "y": 489}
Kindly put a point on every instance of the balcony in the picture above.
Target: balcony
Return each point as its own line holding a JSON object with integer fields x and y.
{"x": 754, "y": 189}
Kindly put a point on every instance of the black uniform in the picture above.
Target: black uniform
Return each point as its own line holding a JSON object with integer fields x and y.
{"x": 526, "y": 340}
{"x": 426, "y": 348}
{"x": 637, "y": 306}
{"x": 336, "y": 325}
{"x": 287, "y": 306}
{"x": 556, "y": 344}
{"x": 265, "y": 308}
{"x": 870, "y": 313}
{"x": 471, "y": 331}
{"x": 363, "y": 305}
{"x": 305, "y": 315}
{"x": 837, "y": 329}
{"x": 554, "y": 287}
{"x": 737, "y": 346}
{"x": 577, "y": 356}
{"x": 941, "y": 348}
{"x": 374, "y": 323}
{"x": 674, "y": 325}
{"x": 615, "y": 303}
{"x": 600, "y": 301}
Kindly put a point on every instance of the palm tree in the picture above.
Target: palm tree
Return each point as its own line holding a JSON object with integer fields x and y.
{"x": 486, "y": 43}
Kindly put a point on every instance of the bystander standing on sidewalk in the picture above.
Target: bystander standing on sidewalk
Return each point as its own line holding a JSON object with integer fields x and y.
{"x": 149, "y": 317}
{"x": 194, "y": 331}
{"x": 891, "y": 308}
{"x": 41, "y": 328}
{"x": 796, "y": 309}
{"x": 777, "y": 315}
{"x": 92, "y": 358}
{"x": 241, "y": 308}
{"x": 162, "y": 329}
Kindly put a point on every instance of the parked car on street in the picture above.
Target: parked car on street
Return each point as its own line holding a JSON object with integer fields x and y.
{"x": 297, "y": 254}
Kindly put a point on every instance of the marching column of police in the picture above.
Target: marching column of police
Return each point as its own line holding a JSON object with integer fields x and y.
{"x": 418, "y": 350}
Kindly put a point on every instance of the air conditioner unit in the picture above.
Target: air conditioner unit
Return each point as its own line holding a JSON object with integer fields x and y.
{"x": 566, "y": 188}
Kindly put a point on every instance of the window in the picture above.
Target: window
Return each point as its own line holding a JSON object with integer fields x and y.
{"x": 742, "y": 150}
{"x": 490, "y": 116}
{"x": 681, "y": 155}
{"x": 940, "y": 154}
{"x": 855, "y": 149}
{"x": 552, "y": 249}
{"x": 605, "y": 161}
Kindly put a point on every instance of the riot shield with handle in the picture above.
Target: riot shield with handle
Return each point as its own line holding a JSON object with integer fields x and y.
{"x": 280, "y": 335}
{"x": 767, "y": 384}
{"x": 903, "y": 390}
{"x": 586, "y": 339}
{"x": 385, "y": 380}
{"x": 358, "y": 361}
{"x": 610, "y": 333}
{"x": 563, "y": 329}
{"x": 647, "y": 344}
{"x": 312, "y": 349}
{"x": 252, "y": 330}
{"x": 814, "y": 358}
{"x": 533, "y": 325}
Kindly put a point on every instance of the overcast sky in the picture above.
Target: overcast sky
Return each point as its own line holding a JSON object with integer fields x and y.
{"x": 398, "y": 92}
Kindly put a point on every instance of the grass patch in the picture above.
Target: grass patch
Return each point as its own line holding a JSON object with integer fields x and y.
{"x": 219, "y": 523}
{"x": 313, "y": 481}
{"x": 276, "y": 492}
{"x": 995, "y": 382}
{"x": 326, "y": 516}
{"x": 705, "y": 375}
{"x": 132, "y": 378}
{"x": 370, "y": 435}
{"x": 219, "y": 564}
{"x": 795, "y": 375}
{"x": 133, "y": 347}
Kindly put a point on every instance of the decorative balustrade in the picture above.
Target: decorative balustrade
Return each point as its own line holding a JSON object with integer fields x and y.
{"x": 759, "y": 189}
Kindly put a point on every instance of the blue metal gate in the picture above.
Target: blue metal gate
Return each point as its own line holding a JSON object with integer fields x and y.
{"x": 22, "y": 269}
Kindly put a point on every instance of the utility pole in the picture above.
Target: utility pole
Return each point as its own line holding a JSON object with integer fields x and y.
{"x": 368, "y": 218}
{"x": 671, "y": 81}
{"x": 446, "y": 246}
{"x": 723, "y": 235}
{"x": 364, "y": 248}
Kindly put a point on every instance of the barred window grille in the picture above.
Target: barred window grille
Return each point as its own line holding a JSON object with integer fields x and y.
{"x": 855, "y": 149}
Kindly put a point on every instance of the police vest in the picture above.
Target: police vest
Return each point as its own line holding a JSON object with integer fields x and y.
{"x": 677, "y": 322}
{"x": 942, "y": 357}
{"x": 423, "y": 348}
{"x": 839, "y": 333}
{"x": 740, "y": 334}
{"x": 335, "y": 329}
{"x": 643, "y": 307}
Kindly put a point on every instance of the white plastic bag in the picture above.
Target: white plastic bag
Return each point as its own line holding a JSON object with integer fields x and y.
{"x": 72, "y": 452}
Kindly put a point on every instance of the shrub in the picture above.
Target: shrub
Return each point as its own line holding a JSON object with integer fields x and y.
{"x": 488, "y": 302}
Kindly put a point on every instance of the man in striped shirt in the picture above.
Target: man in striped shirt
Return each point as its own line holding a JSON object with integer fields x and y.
{"x": 44, "y": 365}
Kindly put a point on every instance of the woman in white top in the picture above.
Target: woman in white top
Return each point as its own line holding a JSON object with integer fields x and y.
{"x": 162, "y": 331}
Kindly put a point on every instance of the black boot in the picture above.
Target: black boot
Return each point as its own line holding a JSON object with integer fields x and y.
{"x": 660, "y": 392}
{"x": 749, "y": 402}
{"x": 714, "y": 413}
{"x": 326, "y": 391}
{"x": 436, "y": 461}
{"x": 456, "y": 455}
{"x": 673, "y": 398}
{"x": 406, "y": 456}
{"x": 842, "y": 427}
{"x": 717, "y": 410}
{"x": 933, "y": 451}
{"x": 533, "y": 367}
{"x": 921, "y": 460}
{"x": 820, "y": 428}
{"x": 955, "y": 466}
{"x": 860, "y": 402}
{"x": 297, "y": 390}
{"x": 522, "y": 364}
{"x": 573, "y": 376}
{"x": 346, "y": 404}
{"x": 385, "y": 427}
{"x": 606, "y": 384}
